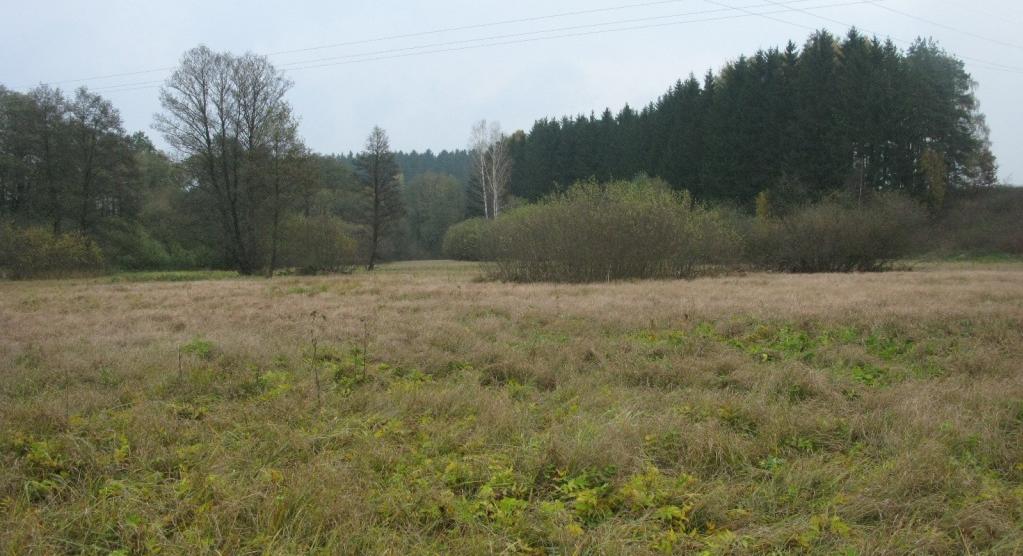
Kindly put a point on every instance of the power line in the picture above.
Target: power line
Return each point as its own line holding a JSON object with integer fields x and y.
{"x": 479, "y": 26}
{"x": 578, "y": 34}
{"x": 1013, "y": 17}
{"x": 949, "y": 27}
{"x": 990, "y": 65}
{"x": 431, "y": 32}
{"x": 542, "y": 31}
{"x": 398, "y": 36}
{"x": 466, "y": 44}
{"x": 765, "y": 16}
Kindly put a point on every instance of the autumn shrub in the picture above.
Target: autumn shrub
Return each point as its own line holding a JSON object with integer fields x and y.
{"x": 982, "y": 222}
{"x": 596, "y": 232}
{"x": 318, "y": 244}
{"x": 462, "y": 241}
{"x": 837, "y": 235}
{"x": 37, "y": 252}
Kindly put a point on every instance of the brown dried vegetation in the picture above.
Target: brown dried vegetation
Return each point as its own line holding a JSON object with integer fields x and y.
{"x": 858, "y": 413}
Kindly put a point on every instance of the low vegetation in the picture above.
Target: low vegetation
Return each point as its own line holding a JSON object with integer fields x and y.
{"x": 318, "y": 244}
{"x": 464, "y": 241}
{"x": 642, "y": 229}
{"x": 36, "y": 252}
{"x": 981, "y": 223}
{"x": 420, "y": 410}
{"x": 837, "y": 235}
{"x": 593, "y": 232}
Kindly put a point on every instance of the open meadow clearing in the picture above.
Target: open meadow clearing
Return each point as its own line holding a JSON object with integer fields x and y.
{"x": 419, "y": 409}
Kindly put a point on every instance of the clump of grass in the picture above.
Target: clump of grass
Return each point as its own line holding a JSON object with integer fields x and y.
{"x": 200, "y": 348}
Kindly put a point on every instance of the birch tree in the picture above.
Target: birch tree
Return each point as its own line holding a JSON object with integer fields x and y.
{"x": 491, "y": 165}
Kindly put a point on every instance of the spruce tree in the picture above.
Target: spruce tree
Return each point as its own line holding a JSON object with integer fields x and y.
{"x": 378, "y": 172}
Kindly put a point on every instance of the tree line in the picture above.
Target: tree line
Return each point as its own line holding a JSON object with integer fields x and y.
{"x": 855, "y": 114}
{"x": 241, "y": 189}
{"x": 66, "y": 162}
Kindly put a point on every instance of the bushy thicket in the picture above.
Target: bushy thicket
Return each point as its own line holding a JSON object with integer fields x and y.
{"x": 318, "y": 244}
{"x": 130, "y": 246}
{"x": 837, "y": 235}
{"x": 643, "y": 229}
{"x": 37, "y": 252}
{"x": 464, "y": 241}
{"x": 987, "y": 222}
{"x": 614, "y": 231}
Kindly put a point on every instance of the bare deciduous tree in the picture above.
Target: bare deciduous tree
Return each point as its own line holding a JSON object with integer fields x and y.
{"x": 491, "y": 165}
{"x": 223, "y": 113}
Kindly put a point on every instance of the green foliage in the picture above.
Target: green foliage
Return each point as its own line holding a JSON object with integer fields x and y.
{"x": 935, "y": 174}
{"x": 434, "y": 202}
{"x": 173, "y": 276}
{"x": 871, "y": 357}
{"x": 836, "y": 236}
{"x": 199, "y": 347}
{"x": 764, "y": 209}
{"x": 838, "y": 114}
{"x": 36, "y": 252}
{"x": 65, "y": 160}
{"x": 381, "y": 183}
{"x": 595, "y": 232}
{"x": 464, "y": 241}
{"x": 130, "y": 246}
{"x": 318, "y": 244}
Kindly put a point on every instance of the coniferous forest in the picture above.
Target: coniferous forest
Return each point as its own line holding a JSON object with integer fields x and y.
{"x": 838, "y": 113}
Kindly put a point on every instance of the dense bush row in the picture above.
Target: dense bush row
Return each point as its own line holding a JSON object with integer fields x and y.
{"x": 606, "y": 232}
{"x": 318, "y": 244}
{"x": 309, "y": 245}
{"x": 596, "y": 232}
{"x": 642, "y": 229}
{"x": 37, "y": 252}
{"x": 836, "y": 236}
{"x": 986, "y": 223}
{"x": 464, "y": 241}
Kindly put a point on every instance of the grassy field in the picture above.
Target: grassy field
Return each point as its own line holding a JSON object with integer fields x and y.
{"x": 419, "y": 410}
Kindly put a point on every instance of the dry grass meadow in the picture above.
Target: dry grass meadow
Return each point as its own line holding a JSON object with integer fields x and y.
{"x": 420, "y": 410}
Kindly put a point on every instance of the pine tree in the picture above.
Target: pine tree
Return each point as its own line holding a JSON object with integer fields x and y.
{"x": 855, "y": 113}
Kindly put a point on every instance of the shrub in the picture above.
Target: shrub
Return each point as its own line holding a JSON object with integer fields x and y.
{"x": 462, "y": 241}
{"x": 986, "y": 222}
{"x": 317, "y": 244}
{"x": 130, "y": 246}
{"x": 595, "y": 232}
{"x": 36, "y": 252}
{"x": 837, "y": 236}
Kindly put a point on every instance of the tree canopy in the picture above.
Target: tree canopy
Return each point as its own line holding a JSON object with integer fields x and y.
{"x": 855, "y": 113}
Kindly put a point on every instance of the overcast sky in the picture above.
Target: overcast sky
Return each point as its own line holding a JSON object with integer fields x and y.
{"x": 427, "y": 99}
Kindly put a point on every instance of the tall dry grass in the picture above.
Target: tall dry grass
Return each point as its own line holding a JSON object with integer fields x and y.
{"x": 873, "y": 414}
